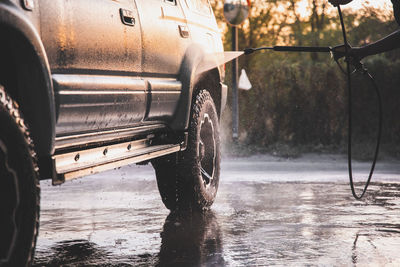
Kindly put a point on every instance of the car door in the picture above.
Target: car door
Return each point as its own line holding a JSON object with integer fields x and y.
{"x": 165, "y": 39}
{"x": 202, "y": 25}
{"x": 94, "y": 51}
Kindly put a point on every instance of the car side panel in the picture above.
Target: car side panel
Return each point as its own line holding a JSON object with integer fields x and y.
{"x": 89, "y": 36}
{"x": 163, "y": 45}
{"x": 203, "y": 26}
{"x": 96, "y": 64}
{"x": 206, "y": 46}
{"x": 165, "y": 39}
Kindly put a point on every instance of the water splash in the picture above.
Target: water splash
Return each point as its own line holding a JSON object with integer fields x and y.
{"x": 213, "y": 60}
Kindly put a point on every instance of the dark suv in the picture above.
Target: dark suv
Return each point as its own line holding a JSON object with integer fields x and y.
{"x": 91, "y": 85}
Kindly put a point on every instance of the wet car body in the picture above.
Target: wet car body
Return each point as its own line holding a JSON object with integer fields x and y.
{"x": 105, "y": 83}
{"x": 113, "y": 66}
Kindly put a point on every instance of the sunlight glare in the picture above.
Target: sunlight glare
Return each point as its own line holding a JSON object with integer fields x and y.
{"x": 302, "y": 8}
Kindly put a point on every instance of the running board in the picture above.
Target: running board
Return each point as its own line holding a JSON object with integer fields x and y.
{"x": 85, "y": 162}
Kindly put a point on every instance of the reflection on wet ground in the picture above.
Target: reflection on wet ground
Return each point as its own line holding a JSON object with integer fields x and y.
{"x": 121, "y": 221}
{"x": 185, "y": 240}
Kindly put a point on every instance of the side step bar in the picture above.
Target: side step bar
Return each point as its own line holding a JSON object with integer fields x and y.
{"x": 85, "y": 162}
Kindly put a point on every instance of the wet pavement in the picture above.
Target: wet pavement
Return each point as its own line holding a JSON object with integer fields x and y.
{"x": 268, "y": 211}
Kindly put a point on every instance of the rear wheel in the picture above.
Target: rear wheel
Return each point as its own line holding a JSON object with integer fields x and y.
{"x": 19, "y": 187}
{"x": 189, "y": 179}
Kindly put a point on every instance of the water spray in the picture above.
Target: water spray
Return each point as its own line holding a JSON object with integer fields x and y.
{"x": 337, "y": 53}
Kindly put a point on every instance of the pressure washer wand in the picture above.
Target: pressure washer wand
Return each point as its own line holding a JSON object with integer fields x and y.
{"x": 336, "y": 53}
{"x": 323, "y": 49}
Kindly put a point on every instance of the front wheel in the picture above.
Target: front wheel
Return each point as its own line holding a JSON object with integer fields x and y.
{"x": 189, "y": 179}
{"x": 19, "y": 187}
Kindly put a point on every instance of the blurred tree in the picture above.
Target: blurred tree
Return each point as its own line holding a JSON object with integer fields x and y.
{"x": 300, "y": 98}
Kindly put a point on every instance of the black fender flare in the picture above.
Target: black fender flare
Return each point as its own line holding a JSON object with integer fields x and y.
{"x": 38, "y": 100}
{"x": 188, "y": 76}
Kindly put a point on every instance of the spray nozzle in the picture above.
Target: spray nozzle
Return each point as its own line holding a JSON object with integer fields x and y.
{"x": 249, "y": 51}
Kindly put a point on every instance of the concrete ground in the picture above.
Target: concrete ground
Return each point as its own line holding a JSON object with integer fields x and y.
{"x": 268, "y": 211}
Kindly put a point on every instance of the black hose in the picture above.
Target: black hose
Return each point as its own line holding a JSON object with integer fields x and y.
{"x": 350, "y": 128}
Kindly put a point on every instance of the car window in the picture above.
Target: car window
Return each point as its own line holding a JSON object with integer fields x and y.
{"x": 201, "y": 6}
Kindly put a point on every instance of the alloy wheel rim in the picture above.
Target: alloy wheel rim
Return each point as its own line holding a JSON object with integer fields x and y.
{"x": 207, "y": 150}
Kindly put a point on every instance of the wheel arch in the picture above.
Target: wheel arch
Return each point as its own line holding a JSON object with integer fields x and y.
{"x": 193, "y": 82}
{"x": 211, "y": 81}
{"x": 25, "y": 72}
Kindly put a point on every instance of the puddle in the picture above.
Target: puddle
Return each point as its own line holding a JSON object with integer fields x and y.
{"x": 117, "y": 219}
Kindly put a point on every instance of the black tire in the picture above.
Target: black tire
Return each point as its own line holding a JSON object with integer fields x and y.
{"x": 19, "y": 187}
{"x": 189, "y": 179}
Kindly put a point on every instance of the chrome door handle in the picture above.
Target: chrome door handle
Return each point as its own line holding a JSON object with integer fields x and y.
{"x": 184, "y": 31}
{"x": 127, "y": 17}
